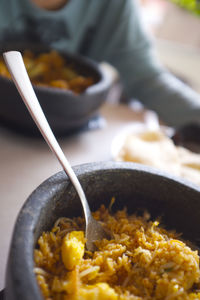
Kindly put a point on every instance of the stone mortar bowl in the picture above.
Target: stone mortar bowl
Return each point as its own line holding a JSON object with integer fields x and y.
{"x": 66, "y": 111}
{"x": 134, "y": 186}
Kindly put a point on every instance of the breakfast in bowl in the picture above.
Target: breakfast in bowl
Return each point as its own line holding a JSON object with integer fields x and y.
{"x": 53, "y": 70}
{"x": 70, "y": 87}
{"x": 154, "y": 222}
{"x": 141, "y": 261}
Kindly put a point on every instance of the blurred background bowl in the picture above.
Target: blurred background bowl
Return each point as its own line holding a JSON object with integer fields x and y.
{"x": 66, "y": 111}
{"x": 137, "y": 187}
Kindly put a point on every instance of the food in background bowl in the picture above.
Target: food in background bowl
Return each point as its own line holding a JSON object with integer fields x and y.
{"x": 51, "y": 69}
{"x": 142, "y": 261}
{"x": 67, "y": 112}
{"x": 134, "y": 186}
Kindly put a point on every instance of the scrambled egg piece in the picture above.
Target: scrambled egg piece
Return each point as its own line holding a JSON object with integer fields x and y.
{"x": 99, "y": 291}
{"x": 72, "y": 249}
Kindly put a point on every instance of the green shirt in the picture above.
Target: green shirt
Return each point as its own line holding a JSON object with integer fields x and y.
{"x": 109, "y": 31}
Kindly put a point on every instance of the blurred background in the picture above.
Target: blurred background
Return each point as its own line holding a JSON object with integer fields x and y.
{"x": 175, "y": 26}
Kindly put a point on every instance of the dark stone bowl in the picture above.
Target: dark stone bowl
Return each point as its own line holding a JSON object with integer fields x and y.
{"x": 134, "y": 186}
{"x": 65, "y": 111}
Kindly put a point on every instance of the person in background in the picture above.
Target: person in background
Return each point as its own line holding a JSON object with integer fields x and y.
{"x": 109, "y": 31}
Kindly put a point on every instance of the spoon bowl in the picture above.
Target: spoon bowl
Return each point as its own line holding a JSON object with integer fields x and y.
{"x": 14, "y": 61}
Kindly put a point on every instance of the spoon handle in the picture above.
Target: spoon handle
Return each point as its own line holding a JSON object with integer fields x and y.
{"x": 15, "y": 64}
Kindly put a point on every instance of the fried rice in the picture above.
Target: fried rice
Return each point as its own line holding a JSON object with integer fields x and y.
{"x": 142, "y": 261}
